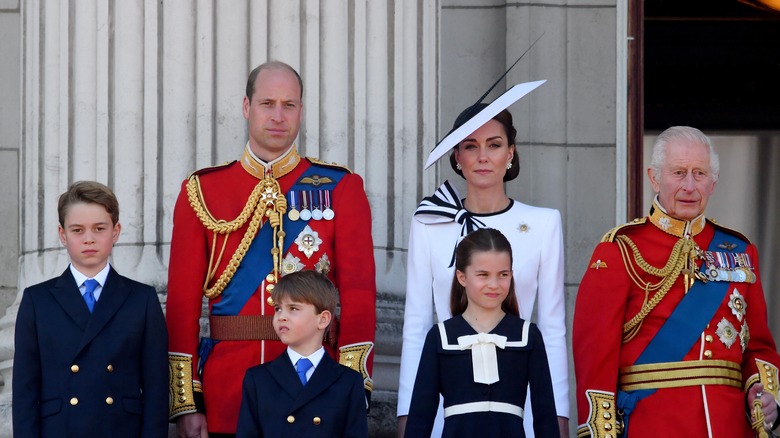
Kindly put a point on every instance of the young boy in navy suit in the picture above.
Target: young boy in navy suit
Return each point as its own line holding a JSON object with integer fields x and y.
{"x": 91, "y": 355}
{"x": 303, "y": 392}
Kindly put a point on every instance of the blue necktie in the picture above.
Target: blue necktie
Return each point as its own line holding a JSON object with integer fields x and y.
{"x": 301, "y": 367}
{"x": 89, "y": 294}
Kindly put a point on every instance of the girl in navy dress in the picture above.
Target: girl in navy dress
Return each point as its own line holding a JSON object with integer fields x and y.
{"x": 484, "y": 358}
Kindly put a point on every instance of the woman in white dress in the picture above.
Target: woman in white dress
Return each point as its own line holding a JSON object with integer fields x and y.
{"x": 485, "y": 159}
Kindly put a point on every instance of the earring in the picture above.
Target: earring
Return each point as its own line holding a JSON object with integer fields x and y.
{"x": 458, "y": 166}
{"x": 508, "y": 165}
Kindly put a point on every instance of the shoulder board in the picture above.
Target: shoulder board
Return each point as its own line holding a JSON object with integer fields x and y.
{"x": 206, "y": 170}
{"x": 729, "y": 231}
{"x": 331, "y": 165}
{"x": 610, "y": 236}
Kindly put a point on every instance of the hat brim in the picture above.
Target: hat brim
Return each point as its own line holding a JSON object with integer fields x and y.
{"x": 509, "y": 97}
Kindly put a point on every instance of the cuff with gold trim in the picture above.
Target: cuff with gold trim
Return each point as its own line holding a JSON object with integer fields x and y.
{"x": 355, "y": 356}
{"x": 768, "y": 374}
{"x": 602, "y": 421}
{"x": 186, "y": 394}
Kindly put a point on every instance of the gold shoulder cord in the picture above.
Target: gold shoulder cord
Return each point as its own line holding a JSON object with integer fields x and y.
{"x": 266, "y": 200}
{"x": 681, "y": 260}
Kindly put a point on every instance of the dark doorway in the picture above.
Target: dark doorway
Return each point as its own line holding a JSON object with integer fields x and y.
{"x": 712, "y": 64}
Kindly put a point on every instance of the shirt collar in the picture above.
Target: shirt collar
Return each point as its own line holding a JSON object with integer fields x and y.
{"x": 315, "y": 357}
{"x": 277, "y": 167}
{"x": 100, "y": 276}
{"x": 671, "y": 225}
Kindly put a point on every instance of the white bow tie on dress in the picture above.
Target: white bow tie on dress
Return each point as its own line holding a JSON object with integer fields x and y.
{"x": 483, "y": 355}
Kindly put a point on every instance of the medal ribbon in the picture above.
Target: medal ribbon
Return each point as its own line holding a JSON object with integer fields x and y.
{"x": 683, "y": 327}
{"x": 258, "y": 261}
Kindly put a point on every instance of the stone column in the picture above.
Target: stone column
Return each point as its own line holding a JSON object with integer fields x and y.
{"x": 85, "y": 115}
{"x": 137, "y": 94}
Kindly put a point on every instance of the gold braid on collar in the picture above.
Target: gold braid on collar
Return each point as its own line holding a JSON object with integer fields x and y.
{"x": 672, "y": 225}
{"x": 262, "y": 201}
{"x": 681, "y": 260}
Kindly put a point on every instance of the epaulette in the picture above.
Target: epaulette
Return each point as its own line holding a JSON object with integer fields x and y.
{"x": 610, "y": 236}
{"x": 729, "y": 230}
{"x": 331, "y": 165}
{"x": 206, "y": 170}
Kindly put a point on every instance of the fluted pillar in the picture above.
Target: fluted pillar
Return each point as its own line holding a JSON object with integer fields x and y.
{"x": 137, "y": 94}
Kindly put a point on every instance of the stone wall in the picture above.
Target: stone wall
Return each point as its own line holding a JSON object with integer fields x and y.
{"x": 10, "y": 139}
{"x": 140, "y": 93}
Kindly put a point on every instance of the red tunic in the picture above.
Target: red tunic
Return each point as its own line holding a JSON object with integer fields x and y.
{"x": 608, "y": 298}
{"x": 346, "y": 240}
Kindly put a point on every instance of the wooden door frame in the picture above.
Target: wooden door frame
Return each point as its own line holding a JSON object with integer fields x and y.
{"x": 635, "y": 104}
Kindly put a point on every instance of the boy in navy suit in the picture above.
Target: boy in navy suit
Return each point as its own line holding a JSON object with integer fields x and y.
{"x": 91, "y": 356}
{"x": 303, "y": 392}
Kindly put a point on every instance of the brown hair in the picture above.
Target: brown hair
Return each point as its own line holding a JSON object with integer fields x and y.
{"x": 482, "y": 240}
{"x": 308, "y": 287}
{"x": 270, "y": 65}
{"x": 88, "y": 192}
{"x": 505, "y": 119}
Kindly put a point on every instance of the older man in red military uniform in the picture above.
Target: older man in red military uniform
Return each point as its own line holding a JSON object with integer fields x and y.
{"x": 239, "y": 227}
{"x": 670, "y": 325}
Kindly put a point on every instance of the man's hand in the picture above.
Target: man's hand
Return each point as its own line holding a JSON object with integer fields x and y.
{"x": 401, "y": 426}
{"x": 769, "y": 407}
{"x": 192, "y": 426}
{"x": 563, "y": 426}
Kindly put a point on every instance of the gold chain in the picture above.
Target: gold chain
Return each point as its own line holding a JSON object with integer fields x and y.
{"x": 220, "y": 226}
{"x": 232, "y": 266}
{"x": 682, "y": 257}
{"x": 269, "y": 192}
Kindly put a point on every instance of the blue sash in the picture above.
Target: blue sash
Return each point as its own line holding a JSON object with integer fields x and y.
{"x": 684, "y": 326}
{"x": 258, "y": 261}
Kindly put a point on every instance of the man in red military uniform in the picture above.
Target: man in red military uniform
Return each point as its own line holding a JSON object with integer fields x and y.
{"x": 670, "y": 326}
{"x": 239, "y": 227}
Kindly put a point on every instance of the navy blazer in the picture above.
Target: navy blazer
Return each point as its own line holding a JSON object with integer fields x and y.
{"x": 276, "y": 404}
{"x": 90, "y": 375}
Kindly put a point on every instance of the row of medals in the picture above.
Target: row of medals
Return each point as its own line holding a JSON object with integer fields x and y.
{"x": 731, "y": 267}
{"x": 314, "y": 198}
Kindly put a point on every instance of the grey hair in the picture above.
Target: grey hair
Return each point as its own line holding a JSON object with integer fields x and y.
{"x": 682, "y": 133}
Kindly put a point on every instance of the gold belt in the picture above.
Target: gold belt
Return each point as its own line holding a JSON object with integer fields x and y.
{"x": 680, "y": 374}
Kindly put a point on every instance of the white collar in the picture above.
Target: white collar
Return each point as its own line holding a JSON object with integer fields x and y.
{"x": 315, "y": 357}
{"x": 100, "y": 276}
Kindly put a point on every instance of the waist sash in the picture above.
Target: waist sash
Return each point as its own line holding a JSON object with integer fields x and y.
{"x": 681, "y": 374}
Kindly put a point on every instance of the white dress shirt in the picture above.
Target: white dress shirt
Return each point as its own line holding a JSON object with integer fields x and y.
{"x": 100, "y": 277}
